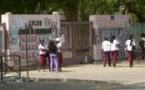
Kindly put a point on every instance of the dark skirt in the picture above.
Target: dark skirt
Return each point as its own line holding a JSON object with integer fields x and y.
{"x": 60, "y": 58}
{"x": 43, "y": 60}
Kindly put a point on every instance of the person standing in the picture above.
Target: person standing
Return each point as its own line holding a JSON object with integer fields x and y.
{"x": 114, "y": 50}
{"x": 106, "y": 46}
{"x": 130, "y": 47}
{"x": 53, "y": 56}
{"x": 48, "y": 57}
{"x": 142, "y": 45}
{"x": 59, "y": 42}
{"x": 42, "y": 55}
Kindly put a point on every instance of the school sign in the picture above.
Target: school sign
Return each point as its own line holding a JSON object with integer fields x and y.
{"x": 43, "y": 27}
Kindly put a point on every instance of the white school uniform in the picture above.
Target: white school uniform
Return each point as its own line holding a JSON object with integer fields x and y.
{"x": 128, "y": 46}
{"x": 41, "y": 49}
{"x": 114, "y": 45}
{"x": 106, "y": 46}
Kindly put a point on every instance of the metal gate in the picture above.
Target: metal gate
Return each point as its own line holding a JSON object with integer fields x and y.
{"x": 78, "y": 41}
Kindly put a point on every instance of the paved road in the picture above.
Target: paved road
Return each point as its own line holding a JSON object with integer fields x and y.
{"x": 69, "y": 86}
{"x": 49, "y": 86}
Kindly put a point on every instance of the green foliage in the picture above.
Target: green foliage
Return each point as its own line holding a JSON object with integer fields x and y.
{"x": 89, "y": 7}
{"x": 75, "y": 9}
{"x": 136, "y": 7}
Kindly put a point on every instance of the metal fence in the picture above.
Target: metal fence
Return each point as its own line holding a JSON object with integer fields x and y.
{"x": 10, "y": 63}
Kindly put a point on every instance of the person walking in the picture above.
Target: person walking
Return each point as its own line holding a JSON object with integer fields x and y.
{"x": 130, "y": 47}
{"x": 42, "y": 55}
{"x": 53, "y": 56}
{"x": 114, "y": 50}
{"x": 106, "y": 46}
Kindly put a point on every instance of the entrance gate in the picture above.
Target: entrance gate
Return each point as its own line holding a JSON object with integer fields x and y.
{"x": 78, "y": 41}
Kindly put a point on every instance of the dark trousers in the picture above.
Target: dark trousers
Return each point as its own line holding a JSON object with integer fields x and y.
{"x": 48, "y": 58}
{"x": 42, "y": 61}
{"x": 106, "y": 58}
{"x": 114, "y": 57}
{"x": 60, "y": 60}
{"x": 142, "y": 53}
{"x": 130, "y": 55}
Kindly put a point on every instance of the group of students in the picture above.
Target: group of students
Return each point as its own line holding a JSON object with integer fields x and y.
{"x": 51, "y": 56}
{"x": 110, "y": 49}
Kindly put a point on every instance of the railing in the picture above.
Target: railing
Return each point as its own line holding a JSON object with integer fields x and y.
{"x": 11, "y": 64}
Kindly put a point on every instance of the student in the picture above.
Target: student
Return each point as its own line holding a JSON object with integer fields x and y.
{"x": 48, "y": 57}
{"x": 130, "y": 47}
{"x": 106, "y": 51}
{"x": 142, "y": 45}
{"x": 114, "y": 50}
{"x": 59, "y": 42}
{"x": 53, "y": 56}
{"x": 42, "y": 55}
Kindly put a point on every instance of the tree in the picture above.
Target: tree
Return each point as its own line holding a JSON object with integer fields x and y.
{"x": 75, "y": 9}
{"x": 89, "y": 7}
{"x": 136, "y": 7}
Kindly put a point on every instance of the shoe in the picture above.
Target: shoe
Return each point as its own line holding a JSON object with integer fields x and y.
{"x": 109, "y": 65}
{"x": 130, "y": 65}
{"x": 114, "y": 65}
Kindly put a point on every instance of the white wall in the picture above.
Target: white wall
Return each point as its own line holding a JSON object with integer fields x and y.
{"x": 105, "y": 21}
{"x": 16, "y": 21}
